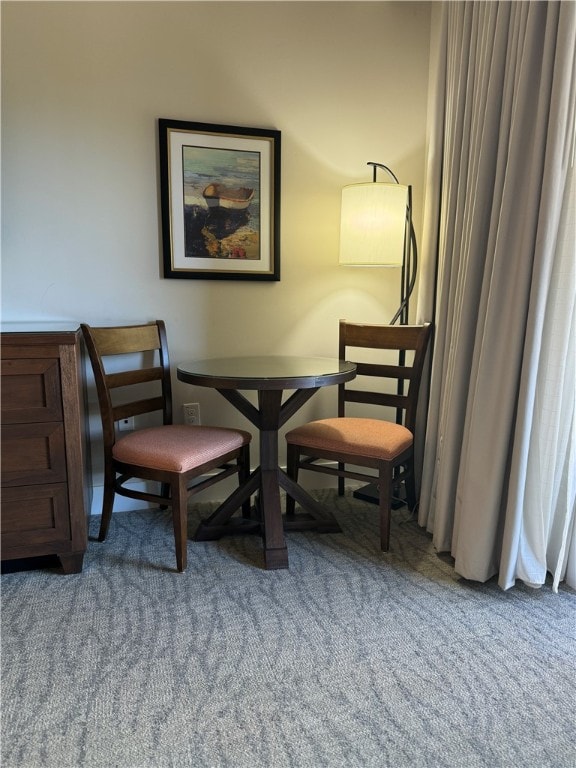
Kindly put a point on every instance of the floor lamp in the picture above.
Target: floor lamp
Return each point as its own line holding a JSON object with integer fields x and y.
{"x": 376, "y": 230}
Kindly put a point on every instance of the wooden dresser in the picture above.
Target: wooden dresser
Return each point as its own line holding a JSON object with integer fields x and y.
{"x": 44, "y": 504}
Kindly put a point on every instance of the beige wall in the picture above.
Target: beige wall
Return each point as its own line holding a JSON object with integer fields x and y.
{"x": 83, "y": 85}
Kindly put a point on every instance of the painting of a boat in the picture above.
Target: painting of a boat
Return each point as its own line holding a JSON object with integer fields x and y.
{"x": 231, "y": 198}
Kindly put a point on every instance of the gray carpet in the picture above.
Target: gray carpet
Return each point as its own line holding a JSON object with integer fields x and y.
{"x": 350, "y": 659}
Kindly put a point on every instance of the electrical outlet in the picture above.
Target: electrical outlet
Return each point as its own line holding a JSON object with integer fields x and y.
{"x": 191, "y": 413}
{"x": 126, "y": 425}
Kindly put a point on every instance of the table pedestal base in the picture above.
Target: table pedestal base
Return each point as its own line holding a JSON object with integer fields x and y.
{"x": 275, "y": 559}
{"x": 224, "y": 522}
{"x": 206, "y": 531}
{"x": 268, "y": 479}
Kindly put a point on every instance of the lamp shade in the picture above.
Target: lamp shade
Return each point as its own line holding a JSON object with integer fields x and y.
{"x": 373, "y": 224}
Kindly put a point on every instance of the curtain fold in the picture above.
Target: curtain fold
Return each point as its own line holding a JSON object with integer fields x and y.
{"x": 503, "y": 133}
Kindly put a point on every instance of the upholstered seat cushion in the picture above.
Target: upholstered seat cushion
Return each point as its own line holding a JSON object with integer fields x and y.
{"x": 364, "y": 437}
{"x": 177, "y": 448}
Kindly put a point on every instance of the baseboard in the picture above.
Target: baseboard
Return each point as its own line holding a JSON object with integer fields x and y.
{"x": 121, "y": 503}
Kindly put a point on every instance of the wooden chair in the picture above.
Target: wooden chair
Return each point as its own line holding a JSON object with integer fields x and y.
{"x": 374, "y": 443}
{"x": 128, "y": 362}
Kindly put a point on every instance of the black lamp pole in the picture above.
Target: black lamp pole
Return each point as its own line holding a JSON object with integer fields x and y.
{"x": 410, "y": 257}
{"x": 407, "y": 281}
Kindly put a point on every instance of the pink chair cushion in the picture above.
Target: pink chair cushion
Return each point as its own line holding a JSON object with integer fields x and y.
{"x": 177, "y": 448}
{"x": 364, "y": 437}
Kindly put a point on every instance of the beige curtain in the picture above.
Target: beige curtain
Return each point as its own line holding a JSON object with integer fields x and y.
{"x": 498, "y": 485}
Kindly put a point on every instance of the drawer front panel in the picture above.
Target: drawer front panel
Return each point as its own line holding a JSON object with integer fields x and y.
{"x": 34, "y": 515}
{"x": 33, "y": 454}
{"x": 31, "y": 391}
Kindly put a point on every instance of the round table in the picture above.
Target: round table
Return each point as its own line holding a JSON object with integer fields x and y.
{"x": 270, "y": 376}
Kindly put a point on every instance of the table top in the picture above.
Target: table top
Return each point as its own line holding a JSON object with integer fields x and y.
{"x": 266, "y": 372}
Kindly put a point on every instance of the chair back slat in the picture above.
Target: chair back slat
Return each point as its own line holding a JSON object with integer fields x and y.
{"x": 131, "y": 371}
{"x": 126, "y": 340}
{"x": 400, "y": 382}
{"x": 403, "y": 372}
{"x": 126, "y": 378}
{"x": 377, "y": 398}
{"x": 379, "y": 336}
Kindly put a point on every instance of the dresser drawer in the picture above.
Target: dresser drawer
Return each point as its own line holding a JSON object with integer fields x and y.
{"x": 33, "y": 454}
{"x": 35, "y": 515}
{"x": 31, "y": 391}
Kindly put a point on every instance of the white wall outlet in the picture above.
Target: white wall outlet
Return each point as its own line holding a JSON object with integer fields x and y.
{"x": 126, "y": 425}
{"x": 191, "y": 413}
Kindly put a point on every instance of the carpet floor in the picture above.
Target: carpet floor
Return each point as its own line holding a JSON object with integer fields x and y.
{"x": 352, "y": 658}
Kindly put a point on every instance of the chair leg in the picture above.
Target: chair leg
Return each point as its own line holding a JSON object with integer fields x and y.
{"x": 410, "y": 484}
{"x": 292, "y": 458}
{"x": 179, "y": 495}
{"x": 107, "y": 504}
{"x": 385, "y": 494}
{"x": 341, "y": 481}
{"x": 165, "y": 493}
{"x": 243, "y": 475}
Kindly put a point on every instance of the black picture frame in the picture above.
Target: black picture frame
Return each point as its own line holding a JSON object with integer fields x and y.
{"x": 220, "y": 201}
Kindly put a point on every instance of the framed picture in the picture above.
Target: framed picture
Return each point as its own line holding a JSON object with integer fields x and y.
{"x": 220, "y": 199}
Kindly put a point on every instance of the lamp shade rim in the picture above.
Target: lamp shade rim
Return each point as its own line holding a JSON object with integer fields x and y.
{"x": 375, "y": 184}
